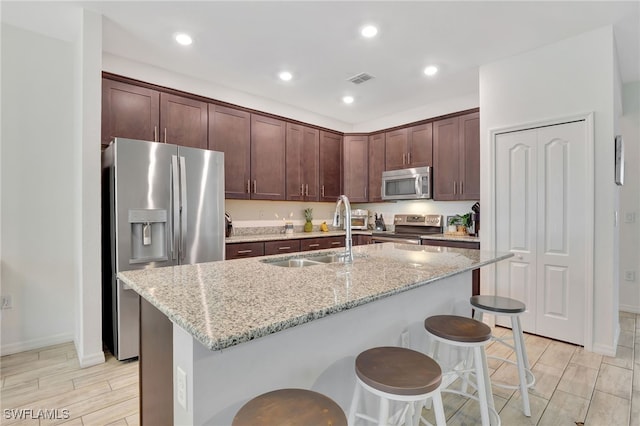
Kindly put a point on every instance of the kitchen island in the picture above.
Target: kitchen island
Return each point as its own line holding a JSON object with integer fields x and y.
{"x": 244, "y": 327}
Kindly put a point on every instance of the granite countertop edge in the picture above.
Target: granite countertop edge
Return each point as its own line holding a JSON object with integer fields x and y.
{"x": 255, "y": 333}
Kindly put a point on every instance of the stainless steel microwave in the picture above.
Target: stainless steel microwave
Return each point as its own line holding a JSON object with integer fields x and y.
{"x": 407, "y": 184}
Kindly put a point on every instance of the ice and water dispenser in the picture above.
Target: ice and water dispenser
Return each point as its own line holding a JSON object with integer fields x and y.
{"x": 148, "y": 235}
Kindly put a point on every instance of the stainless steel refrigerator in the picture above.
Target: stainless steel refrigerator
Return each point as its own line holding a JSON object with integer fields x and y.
{"x": 162, "y": 205}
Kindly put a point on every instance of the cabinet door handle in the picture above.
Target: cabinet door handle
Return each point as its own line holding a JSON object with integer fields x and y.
{"x": 302, "y": 189}
{"x": 248, "y": 186}
{"x": 408, "y": 158}
{"x": 461, "y": 191}
{"x": 284, "y": 248}
{"x": 165, "y": 135}
{"x": 365, "y": 192}
{"x": 454, "y": 187}
{"x": 404, "y": 156}
{"x": 255, "y": 186}
{"x": 306, "y": 191}
{"x": 244, "y": 251}
{"x": 323, "y": 190}
{"x": 155, "y": 133}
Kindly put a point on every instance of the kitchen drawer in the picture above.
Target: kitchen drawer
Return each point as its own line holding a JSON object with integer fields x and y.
{"x": 241, "y": 250}
{"x": 455, "y": 244}
{"x": 314, "y": 244}
{"x": 276, "y": 247}
{"x": 334, "y": 242}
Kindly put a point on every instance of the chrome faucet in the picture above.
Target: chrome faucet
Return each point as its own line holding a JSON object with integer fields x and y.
{"x": 348, "y": 252}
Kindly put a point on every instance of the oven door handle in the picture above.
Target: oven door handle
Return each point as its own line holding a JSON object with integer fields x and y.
{"x": 395, "y": 240}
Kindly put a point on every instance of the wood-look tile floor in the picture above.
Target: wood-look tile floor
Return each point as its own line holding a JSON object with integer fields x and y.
{"x": 572, "y": 386}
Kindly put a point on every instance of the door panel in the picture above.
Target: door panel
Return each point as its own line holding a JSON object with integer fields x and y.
{"x": 204, "y": 237}
{"x": 561, "y": 231}
{"x": 515, "y": 218}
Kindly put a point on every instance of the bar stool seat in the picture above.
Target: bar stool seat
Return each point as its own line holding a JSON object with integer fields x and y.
{"x": 504, "y": 306}
{"x": 290, "y": 407}
{"x": 470, "y": 334}
{"x": 398, "y": 374}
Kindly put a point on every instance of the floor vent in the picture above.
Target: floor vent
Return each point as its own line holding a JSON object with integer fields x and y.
{"x": 360, "y": 78}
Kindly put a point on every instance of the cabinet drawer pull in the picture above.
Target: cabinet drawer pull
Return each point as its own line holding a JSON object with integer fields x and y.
{"x": 244, "y": 251}
{"x": 314, "y": 245}
{"x": 334, "y": 243}
{"x": 284, "y": 248}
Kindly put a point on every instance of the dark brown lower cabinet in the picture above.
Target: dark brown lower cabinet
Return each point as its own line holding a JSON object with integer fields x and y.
{"x": 155, "y": 368}
{"x": 241, "y": 250}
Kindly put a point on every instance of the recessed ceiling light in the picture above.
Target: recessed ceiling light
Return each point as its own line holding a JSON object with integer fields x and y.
{"x": 184, "y": 39}
{"x": 347, "y": 99}
{"x": 285, "y": 76}
{"x": 431, "y": 70}
{"x": 369, "y": 31}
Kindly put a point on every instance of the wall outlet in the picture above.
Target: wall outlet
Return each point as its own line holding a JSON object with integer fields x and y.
{"x": 629, "y": 217}
{"x": 7, "y": 302}
{"x": 182, "y": 387}
{"x": 629, "y": 275}
{"x": 404, "y": 339}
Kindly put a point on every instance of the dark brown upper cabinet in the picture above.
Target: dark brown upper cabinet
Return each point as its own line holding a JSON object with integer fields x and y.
{"x": 267, "y": 158}
{"x": 456, "y": 158}
{"x": 409, "y": 147}
{"x": 129, "y": 111}
{"x": 356, "y": 168}
{"x": 376, "y": 166}
{"x": 183, "y": 121}
{"x": 302, "y": 163}
{"x": 330, "y": 166}
{"x": 230, "y": 132}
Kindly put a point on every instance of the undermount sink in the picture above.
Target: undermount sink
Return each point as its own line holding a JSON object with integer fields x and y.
{"x": 304, "y": 261}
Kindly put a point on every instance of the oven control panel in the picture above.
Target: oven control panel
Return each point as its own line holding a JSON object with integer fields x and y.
{"x": 418, "y": 219}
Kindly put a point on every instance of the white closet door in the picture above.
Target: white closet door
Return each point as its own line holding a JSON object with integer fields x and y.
{"x": 562, "y": 246}
{"x": 540, "y": 218}
{"x": 516, "y": 196}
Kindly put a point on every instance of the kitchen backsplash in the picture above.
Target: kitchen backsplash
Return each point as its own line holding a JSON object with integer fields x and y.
{"x": 269, "y": 216}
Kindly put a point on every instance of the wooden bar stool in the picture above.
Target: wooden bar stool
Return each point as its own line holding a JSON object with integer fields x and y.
{"x": 290, "y": 407}
{"x": 402, "y": 375}
{"x": 505, "y": 306}
{"x": 465, "y": 333}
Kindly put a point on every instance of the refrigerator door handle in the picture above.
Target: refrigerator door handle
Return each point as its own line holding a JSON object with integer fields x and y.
{"x": 175, "y": 206}
{"x": 183, "y": 206}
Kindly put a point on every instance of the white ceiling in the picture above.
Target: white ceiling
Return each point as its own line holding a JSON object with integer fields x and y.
{"x": 243, "y": 45}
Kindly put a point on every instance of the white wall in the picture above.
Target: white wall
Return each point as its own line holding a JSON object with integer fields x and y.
{"x": 630, "y": 199}
{"x": 88, "y": 86}
{"x": 569, "y": 77}
{"x": 38, "y": 229}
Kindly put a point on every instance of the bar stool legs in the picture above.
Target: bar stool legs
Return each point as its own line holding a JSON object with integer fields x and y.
{"x": 472, "y": 335}
{"x": 497, "y": 305}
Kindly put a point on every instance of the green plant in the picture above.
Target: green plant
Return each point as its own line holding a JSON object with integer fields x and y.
{"x": 308, "y": 214}
{"x": 453, "y": 220}
{"x": 465, "y": 219}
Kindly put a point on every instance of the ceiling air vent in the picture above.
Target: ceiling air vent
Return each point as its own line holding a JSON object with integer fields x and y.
{"x": 360, "y": 78}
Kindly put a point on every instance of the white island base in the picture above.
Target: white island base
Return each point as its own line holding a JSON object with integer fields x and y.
{"x": 318, "y": 355}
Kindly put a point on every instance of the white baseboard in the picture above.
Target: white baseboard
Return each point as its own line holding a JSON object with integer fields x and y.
{"x": 633, "y": 309}
{"x": 27, "y": 345}
{"x": 91, "y": 359}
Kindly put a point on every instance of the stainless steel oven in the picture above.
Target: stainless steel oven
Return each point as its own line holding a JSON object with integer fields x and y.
{"x": 408, "y": 229}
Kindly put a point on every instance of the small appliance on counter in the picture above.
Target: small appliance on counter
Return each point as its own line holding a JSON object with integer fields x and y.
{"x": 228, "y": 225}
{"x": 380, "y": 226}
{"x": 359, "y": 219}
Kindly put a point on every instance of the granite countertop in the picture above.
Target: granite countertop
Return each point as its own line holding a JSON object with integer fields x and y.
{"x": 225, "y": 303}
